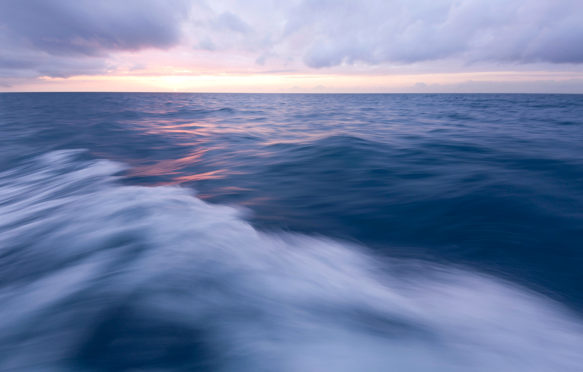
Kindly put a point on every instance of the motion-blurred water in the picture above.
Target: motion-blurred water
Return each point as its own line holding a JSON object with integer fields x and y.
{"x": 291, "y": 232}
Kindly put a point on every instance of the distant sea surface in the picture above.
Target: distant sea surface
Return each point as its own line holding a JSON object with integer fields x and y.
{"x": 267, "y": 232}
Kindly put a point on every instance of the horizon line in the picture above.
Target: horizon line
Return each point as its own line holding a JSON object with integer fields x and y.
{"x": 313, "y": 93}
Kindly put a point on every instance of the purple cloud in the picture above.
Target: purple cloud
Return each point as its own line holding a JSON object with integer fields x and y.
{"x": 87, "y": 27}
{"x": 69, "y": 37}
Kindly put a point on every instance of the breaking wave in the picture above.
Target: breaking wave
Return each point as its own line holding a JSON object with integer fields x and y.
{"x": 99, "y": 275}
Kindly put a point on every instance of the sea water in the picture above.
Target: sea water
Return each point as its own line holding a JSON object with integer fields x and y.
{"x": 267, "y": 232}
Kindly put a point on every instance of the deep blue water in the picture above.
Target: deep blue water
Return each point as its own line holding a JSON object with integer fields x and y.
{"x": 291, "y": 232}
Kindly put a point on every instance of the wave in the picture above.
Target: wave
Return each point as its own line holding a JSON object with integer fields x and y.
{"x": 98, "y": 275}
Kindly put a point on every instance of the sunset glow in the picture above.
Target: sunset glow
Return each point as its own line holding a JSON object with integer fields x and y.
{"x": 310, "y": 83}
{"x": 303, "y": 46}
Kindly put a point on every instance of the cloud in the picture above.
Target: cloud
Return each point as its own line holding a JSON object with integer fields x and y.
{"x": 405, "y": 31}
{"x": 328, "y": 33}
{"x": 231, "y": 22}
{"x": 71, "y": 37}
{"x": 91, "y": 27}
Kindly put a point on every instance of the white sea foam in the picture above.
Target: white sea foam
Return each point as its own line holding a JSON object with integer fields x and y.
{"x": 77, "y": 249}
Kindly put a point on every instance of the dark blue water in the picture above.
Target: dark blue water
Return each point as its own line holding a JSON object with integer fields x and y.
{"x": 291, "y": 232}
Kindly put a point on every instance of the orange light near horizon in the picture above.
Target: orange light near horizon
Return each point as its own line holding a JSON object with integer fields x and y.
{"x": 180, "y": 81}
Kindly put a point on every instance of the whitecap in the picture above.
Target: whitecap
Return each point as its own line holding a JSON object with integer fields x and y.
{"x": 98, "y": 275}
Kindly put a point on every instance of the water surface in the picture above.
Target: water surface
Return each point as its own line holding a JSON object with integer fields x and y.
{"x": 291, "y": 232}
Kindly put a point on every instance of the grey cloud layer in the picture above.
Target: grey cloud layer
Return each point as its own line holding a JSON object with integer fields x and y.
{"x": 68, "y": 37}
{"x": 89, "y": 27}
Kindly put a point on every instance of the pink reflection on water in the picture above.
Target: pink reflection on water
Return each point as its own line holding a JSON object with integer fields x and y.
{"x": 212, "y": 126}
{"x": 256, "y": 201}
{"x": 211, "y": 175}
{"x": 167, "y": 167}
{"x": 170, "y": 127}
{"x": 191, "y": 134}
{"x": 178, "y": 169}
{"x": 216, "y": 174}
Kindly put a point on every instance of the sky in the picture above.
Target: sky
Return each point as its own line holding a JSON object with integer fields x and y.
{"x": 410, "y": 46}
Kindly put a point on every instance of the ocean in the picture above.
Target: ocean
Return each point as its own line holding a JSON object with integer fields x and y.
{"x": 291, "y": 232}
